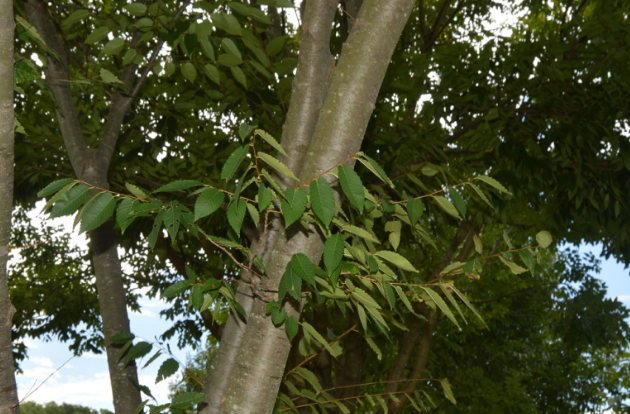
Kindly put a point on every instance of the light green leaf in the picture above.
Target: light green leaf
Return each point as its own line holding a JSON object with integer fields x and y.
{"x": 526, "y": 257}
{"x": 352, "y": 186}
{"x": 294, "y": 205}
{"x": 516, "y": 269}
{"x": 316, "y": 335}
{"x": 227, "y": 22}
{"x": 447, "y": 206}
{"x": 448, "y": 392}
{"x": 493, "y": 183}
{"x": 175, "y": 289}
{"x": 253, "y": 213}
{"x": 357, "y": 231}
{"x": 403, "y": 298}
{"x": 136, "y": 9}
{"x": 271, "y": 141}
{"x": 169, "y": 68}
{"x": 98, "y": 211}
{"x": 187, "y": 399}
{"x": 265, "y": 195}
{"x": 213, "y": 73}
{"x": 478, "y": 244}
{"x": 374, "y": 347}
{"x": 178, "y": 186}
{"x": 376, "y": 169}
{"x": 248, "y": 11}
{"x": 228, "y": 60}
{"x": 130, "y": 55}
{"x": 322, "y": 200}
{"x": 236, "y": 214}
{"x": 97, "y": 35}
{"x": 277, "y": 165}
{"x": 468, "y": 304}
{"x": 230, "y": 47}
{"x": 396, "y": 259}
{"x": 114, "y": 46}
{"x": 310, "y": 377}
{"x": 189, "y": 71}
{"x": 544, "y": 238}
{"x": 137, "y": 191}
{"x": 437, "y": 299}
{"x": 333, "y": 252}
{"x": 124, "y": 214}
{"x": 233, "y": 162}
{"x": 481, "y": 194}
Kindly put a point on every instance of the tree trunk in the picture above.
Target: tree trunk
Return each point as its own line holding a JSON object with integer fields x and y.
{"x": 9, "y": 402}
{"x": 338, "y": 132}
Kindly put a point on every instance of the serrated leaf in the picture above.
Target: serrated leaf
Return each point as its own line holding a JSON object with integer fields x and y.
{"x": 291, "y": 327}
{"x": 196, "y": 297}
{"x": 138, "y": 351}
{"x": 121, "y": 338}
{"x": 171, "y": 221}
{"x": 316, "y": 335}
{"x": 333, "y": 252}
{"x": 352, "y": 186}
{"x": 233, "y": 162}
{"x": 55, "y": 186}
{"x": 493, "y": 183}
{"x": 98, "y": 212}
{"x": 468, "y": 304}
{"x": 271, "y": 141}
{"x": 155, "y": 230}
{"x": 396, "y": 259}
{"x": 415, "y": 208}
{"x": 137, "y": 191}
{"x": 310, "y": 377}
{"x": 322, "y": 200}
{"x": 244, "y": 130}
{"x": 294, "y": 205}
{"x": 376, "y": 169}
{"x": 108, "y": 77}
{"x": 265, "y": 196}
{"x": 124, "y": 214}
{"x": 168, "y": 368}
{"x": 459, "y": 202}
{"x": 516, "y": 269}
{"x": 544, "y": 238}
{"x": 71, "y": 200}
{"x": 208, "y": 202}
{"x": 403, "y": 298}
{"x": 187, "y": 399}
{"x": 437, "y": 299}
{"x": 175, "y": 289}
{"x": 236, "y": 214}
{"x": 364, "y": 234}
{"x": 290, "y": 283}
{"x": 448, "y": 392}
{"x": 374, "y": 347}
{"x": 447, "y": 206}
{"x": 253, "y": 213}
{"x": 277, "y": 165}
{"x": 451, "y": 299}
{"x": 178, "y": 186}
{"x": 303, "y": 266}
{"x": 481, "y": 194}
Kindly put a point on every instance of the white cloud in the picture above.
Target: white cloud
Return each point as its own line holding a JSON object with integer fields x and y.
{"x": 623, "y": 298}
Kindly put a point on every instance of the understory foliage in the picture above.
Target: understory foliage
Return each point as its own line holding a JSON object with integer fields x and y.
{"x": 438, "y": 281}
{"x": 363, "y": 275}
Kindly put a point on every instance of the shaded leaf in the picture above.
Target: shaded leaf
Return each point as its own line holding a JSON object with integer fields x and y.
{"x": 322, "y": 200}
{"x": 277, "y": 165}
{"x": 168, "y": 368}
{"x": 98, "y": 211}
{"x": 294, "y": 205}
{"x": 208, "y": 202}
{"x": 178, "y": 185}
{"x": 352, "y": 186}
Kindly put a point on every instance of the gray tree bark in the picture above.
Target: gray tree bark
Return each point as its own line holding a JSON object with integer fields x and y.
{"x": 338, "y": 129}
{"x": 9, "y": 402}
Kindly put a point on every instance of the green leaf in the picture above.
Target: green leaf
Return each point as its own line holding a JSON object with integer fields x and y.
{"x": 357, "y": 231}
{"x": 415, "y": 208}
{"x": 493, "y": 183}
{"x": 137, "y": 191}
{"x": 478, "y": 244}
{"x": 155, "y": 230}
{"x": 303, "y": 266}
{"x": 168, "y": 368}
{"x": 448, "y": 392}
{"x": 236, "y": 214}
{"x": 447, "y": 206}
{"x": 310, "y": 377}
{"x": 322, "y": 200}
{"x": 290, "y": 283}
{"x": 230, "y": 47}
{"x": 253, "y": 213}
{"x": 239, "y": 75}
{"x": 213, "y": 73}
{"x": 233, "y": 162}
{"x": 277, "y": 165}
{"x": 178, "y": 186}
{"x": 244, "y": 130}
{"x": 208, "y": 202}
{"x": 248, "y": 11}
{"x": 291, "y": 326}
{"x": 55, "y": 186}
{"x": 71, "y": 200}
{"x": 352, "y": 186}
{"x": 333, "y": 252}
{"x": 516, "y": 269}
{"x": 481, "y": 194}
{"x": 124, "y": 214}
{"x": 186, "y": 400}
{"x": 75, "y": 17}
{"x": 396, "y": 259}
{"x": 468, "y": 304}
{"x": 265, "y": 196}
{"x": 403, "y": 298}
{"x": 136, "y": 9}
{"x": 114, "y": 46}
{"x": 206, "y": 47}
{"x": 121, "y": 338}
{"x": 316, "y": 335}
{"x": 376, "y": 169}
{"x": 275, "y": 45}
{"x": 171, "y": 221}
{"x": 544, "y": 238}
{"x": 459, "y": 202}
{"x": 97, "y": 35}
{"x": 294, "y": 205}
{"x": 138, "y": 351}
{"x": 435, "y": 297}
{"x": 128, "y": 59}
{"x": 227, "y": 22}
{"x": 175, "y": 289}
{"x": 98, "y": 211}
{"x": 228, "y": 60}
{"x": 526, "y": 257}
{"x": 108, "y": 77}
{"x": 271, "y": 141}
{"x": 189, "y": 71}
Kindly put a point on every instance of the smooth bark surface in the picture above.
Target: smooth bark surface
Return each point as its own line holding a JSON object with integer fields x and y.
{"x": 338, "y": 133}
{"x": 9, "y": 402}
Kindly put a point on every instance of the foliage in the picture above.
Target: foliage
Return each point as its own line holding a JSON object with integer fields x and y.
{"x": 30, "y": 407}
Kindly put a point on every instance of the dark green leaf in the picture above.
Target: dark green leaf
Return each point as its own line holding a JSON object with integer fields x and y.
{"x": 415, "y": 208}
{"x": 459, "y": 202}
{"x": 124, "y": 214}
{"x": 291, "y": 326}
{"x": 333, "y": 252}
{"x": 178, "y": 185}
{"x": 233, "y": 162}
{"x": 265, "y": 196}
{"x": 290, "y": 283}
{"x": 322, "y": 200}
{"x": 98, "y": 211}
{"x": 138, "y": 351}
{"x": 208, "y": 202}
{"x": 168, "y": 368}
{"x": 277, "y": 165}
{"x": 71, "y": 200}
{"x": 187, "y": 399}
{"x": 121, "y": 338}
{"x": 304, "y": 268}
{"x": 54, "y": 187}
{"x": 294, "y": 205}
{"x": 236, "y": 214}
{"x": 175, "y": 289}
{"x": 352, "y": 186}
